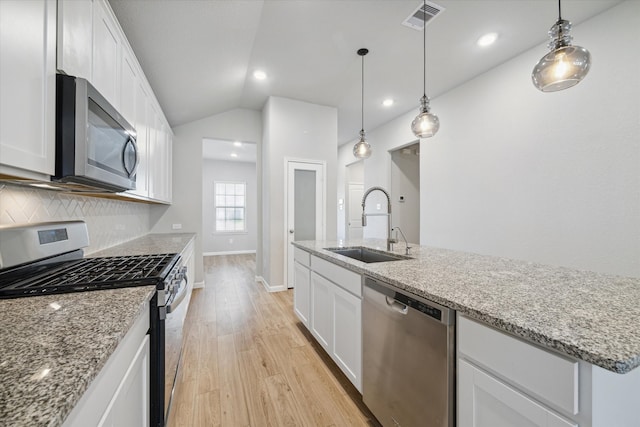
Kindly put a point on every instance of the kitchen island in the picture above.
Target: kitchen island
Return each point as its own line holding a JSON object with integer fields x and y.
{"x": 53, "y": 347}
{"x": 543, "y": 342}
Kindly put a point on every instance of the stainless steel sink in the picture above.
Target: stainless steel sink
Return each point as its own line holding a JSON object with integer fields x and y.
{"x": 367, "y": 255}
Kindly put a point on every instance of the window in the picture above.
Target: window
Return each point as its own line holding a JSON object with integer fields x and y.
{"x": 230, "y": 206}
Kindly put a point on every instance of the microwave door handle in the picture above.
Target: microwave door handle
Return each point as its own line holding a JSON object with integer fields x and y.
{"x": 131, "y": 142}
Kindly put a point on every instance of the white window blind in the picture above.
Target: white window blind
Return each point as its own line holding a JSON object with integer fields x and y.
{"x": 230, "y": 206}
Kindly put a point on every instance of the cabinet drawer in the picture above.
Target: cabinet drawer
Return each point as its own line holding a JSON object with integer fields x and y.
{"x": 548, "y": 376}
{"x": 303, "y": 257}
{"x": 344, "y": 278}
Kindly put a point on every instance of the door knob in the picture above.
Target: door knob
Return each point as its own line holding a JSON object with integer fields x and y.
{"x": 291, "y": 231}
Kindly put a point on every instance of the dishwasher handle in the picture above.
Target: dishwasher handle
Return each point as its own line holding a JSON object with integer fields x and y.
{"x": 396, "y": 305}
{"x": 392, "y": 297}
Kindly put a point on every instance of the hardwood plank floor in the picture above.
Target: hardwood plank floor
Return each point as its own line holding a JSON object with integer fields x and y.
{"x": 248, "y": 361}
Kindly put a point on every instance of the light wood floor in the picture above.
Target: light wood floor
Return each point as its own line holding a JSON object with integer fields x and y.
{"x": 248, "y": 361}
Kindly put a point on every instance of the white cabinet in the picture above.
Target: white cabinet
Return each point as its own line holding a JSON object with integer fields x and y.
{"x": 322, "y": 311}
{"x": 486, "y": 401}
{"x": 130, "y": 404}
{"x": 347, "y": 334}
{"x": 330, "y": 297}
{"x": 506, "y": 381}
{"x": 119, "y": 395}
{"x": 128, "y": 87}
{"x": 27, "y": 84}
{"x": 106, "y": 53}
{"x": 75, "y": 34}
{"x": 160, "y": 158}
{"x": 301, "y": 292}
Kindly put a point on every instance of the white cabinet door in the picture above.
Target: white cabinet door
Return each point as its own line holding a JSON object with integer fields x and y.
{"x": 485, "y": 401}
{"x": 160, "y": 158}
{"x": 301, "y": 295}
{"x": 141, "y": 124}
{"x": 106, "y": 54}
{"x": 347, "y": 334}
{"x": 75, "y": 28}
{"x": 322, "y": 311}
{"x": 129, "y": 406}
{"x": 128, "y": 87}
{"x": 27, "y": 85}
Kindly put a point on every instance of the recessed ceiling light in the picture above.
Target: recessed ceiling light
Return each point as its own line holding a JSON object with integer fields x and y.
{"x": 259, "y": 75}
{"x": 237, "y": 144}
{"x": 487, "y": 40}
{"x": 234, "y": 155}
{"x": 387, "y": 102}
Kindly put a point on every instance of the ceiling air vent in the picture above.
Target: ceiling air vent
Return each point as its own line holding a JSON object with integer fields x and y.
{"x": 423, "y": 15}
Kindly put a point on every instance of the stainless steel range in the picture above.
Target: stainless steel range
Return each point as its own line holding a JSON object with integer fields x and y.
{"x": 47, "y": 258}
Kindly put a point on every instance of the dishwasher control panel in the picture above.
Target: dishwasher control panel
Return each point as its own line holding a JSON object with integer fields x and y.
{"x": 418, "y": 305}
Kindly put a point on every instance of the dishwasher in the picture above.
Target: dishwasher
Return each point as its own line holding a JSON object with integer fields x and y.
{"x": 408, "y": 346}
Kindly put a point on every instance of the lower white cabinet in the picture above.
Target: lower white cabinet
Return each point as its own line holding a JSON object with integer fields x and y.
{"x": 301, "y": 292}
{"x": 321, "y": 324}
{"x": 505, "y": 381}
{"x": 485, "y": 401}
{"x": 328, "y": 301}
{"x": 130, "y": 405}
{"x": 119, "y": 395}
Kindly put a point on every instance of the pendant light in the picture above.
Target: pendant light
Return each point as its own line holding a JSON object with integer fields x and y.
{"x": 426, "y": 124}
{"x": 565, "y": 65}
{"x": 362, "y": 149}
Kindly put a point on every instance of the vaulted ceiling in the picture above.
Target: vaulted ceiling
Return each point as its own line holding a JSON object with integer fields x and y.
{"x": 200, "y": 55}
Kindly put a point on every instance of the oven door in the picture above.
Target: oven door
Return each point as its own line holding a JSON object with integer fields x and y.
{"x": 177, "y": 304}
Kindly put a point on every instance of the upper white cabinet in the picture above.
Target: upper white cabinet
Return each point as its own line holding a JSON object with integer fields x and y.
{"x": 27, "y": 84}
{"x": 93, "y": 46}
{"x": 75, "y": 35}
{"x": 106, "y": 54}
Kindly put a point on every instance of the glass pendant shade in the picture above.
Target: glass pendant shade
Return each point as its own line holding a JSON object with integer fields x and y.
{"x": 561, "y": 68}
{"x": 426, "y": 124}
{"x": 565, "y": 65}
{"x": 362, "y": 149}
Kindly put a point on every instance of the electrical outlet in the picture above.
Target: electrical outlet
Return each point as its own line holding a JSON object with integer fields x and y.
{"x": 176, "y": 226}
{"x": 378, "y": 207}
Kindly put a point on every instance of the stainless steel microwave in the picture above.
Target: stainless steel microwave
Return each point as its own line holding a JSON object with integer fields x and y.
{"x": 95, "y": 146}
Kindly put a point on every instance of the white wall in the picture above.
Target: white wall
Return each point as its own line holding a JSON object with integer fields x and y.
{"x": 405, "y": 181}
{"x": 239, "y": 124}
{"x": 552, "y": 178}
{"x": 296, "y": 130}
{"x": 228, "y": 242}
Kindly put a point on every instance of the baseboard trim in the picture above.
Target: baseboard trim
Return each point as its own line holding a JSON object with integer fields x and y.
{"x": 229, "y": 253}
{"x": 268, "y": 287}
{"x": 198, "y": 285}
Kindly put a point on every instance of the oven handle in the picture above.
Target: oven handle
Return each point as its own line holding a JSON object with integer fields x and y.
{"x": 180, "y": 296}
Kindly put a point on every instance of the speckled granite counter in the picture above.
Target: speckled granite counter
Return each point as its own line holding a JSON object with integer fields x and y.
{"x": 149, "y": 244}
{"x": 52, "y": 347}
{"x": 590, "y": 316}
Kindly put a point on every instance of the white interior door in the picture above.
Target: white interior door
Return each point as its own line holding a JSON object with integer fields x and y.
{"x": 305, "y": 211}
{"x": 354, "y": 210}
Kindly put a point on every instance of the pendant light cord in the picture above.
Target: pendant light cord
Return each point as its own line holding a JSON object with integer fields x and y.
{"x": 559, "y": 11}
{"x": 424, "y": 49}
{"x": 362, "y": 97}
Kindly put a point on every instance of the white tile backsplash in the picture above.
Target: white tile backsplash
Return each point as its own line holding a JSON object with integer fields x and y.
{"x": 110, "y": 222}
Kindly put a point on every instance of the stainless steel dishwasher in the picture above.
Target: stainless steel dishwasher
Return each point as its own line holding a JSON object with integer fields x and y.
{"x": 408, "y": 349}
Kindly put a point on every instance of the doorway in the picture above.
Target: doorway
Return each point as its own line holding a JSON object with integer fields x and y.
{"x": 306, "y": 207}
{"x": 405, "y": 190}
{"x": 355, "y": 188}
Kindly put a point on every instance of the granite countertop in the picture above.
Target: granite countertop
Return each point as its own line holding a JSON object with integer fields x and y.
{"x": 590, "y": 316}
{"x": 53, "y": 346}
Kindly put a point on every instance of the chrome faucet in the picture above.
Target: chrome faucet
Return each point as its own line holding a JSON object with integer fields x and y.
{"x": 407, "y": 247}
{"x": 390, "y": 240}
